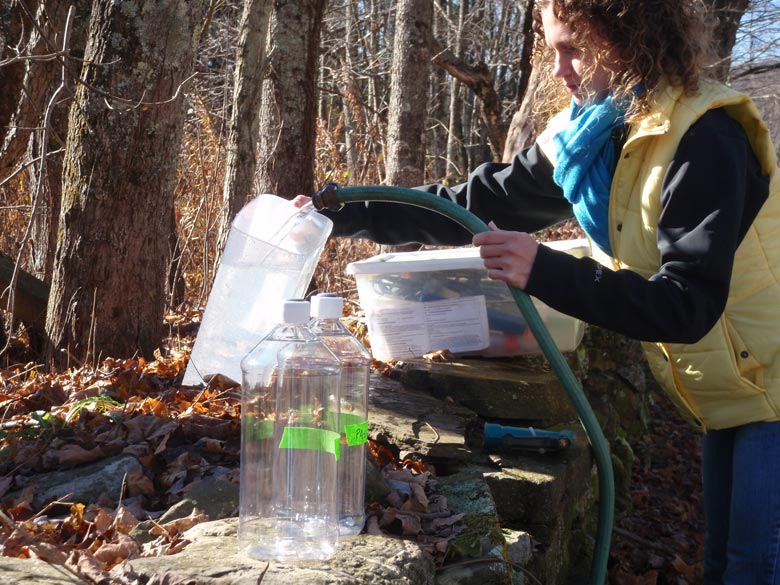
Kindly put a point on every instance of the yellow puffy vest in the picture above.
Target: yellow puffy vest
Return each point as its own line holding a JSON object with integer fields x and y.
{"x": 732, "y": 375}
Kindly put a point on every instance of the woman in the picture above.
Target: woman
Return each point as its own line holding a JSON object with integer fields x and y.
{"x": 674, "y": 179}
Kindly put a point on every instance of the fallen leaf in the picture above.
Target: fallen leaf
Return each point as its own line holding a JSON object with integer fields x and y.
{"x": 139, "y": 484}
{"x": 73, "y": 455}
{"x": 87, "y": 566}
{"x": 692, "y": 573}
{"x": 111, "y": 553}
{"x": 176, "y": 527}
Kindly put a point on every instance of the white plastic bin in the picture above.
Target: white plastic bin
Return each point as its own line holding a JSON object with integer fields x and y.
{"x": 420, "y": 302}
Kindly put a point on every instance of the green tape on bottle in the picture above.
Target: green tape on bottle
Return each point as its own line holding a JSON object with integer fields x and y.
{"x": 355, "y": 428}
{"x": 356, "y": 434}
{"x": 311, "y": 439}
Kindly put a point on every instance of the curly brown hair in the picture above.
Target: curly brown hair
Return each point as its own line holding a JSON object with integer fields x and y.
{"x": 654, "y": 40}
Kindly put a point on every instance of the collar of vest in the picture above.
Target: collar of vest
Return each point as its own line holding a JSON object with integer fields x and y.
{"x": 659, "y": 120}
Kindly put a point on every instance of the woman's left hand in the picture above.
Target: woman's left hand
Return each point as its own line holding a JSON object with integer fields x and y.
{"x": 300, "y": 200}
{"x": 508, "y": 256}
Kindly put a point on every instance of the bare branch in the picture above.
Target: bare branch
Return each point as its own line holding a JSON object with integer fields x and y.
{"x": 28, "y": 164}
{"x": 756, "y": 69}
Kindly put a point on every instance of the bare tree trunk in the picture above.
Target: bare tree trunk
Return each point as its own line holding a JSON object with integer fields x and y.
{"x": 522, "y": 130}
{"x": 33, "y": 109}
{"x": 438, "y": 138}
{"x": 289, "y": 105}
{"x": 107, "y": 293}
{"x": 50, "y": 141}
{"x": 527, "y": 54}
{"x": 27, "y": 83}
{"x": 479, "y": 79}
{"x": 728, "y": 14}
{"x": 18, "y": 103}
{"x": 456, "y": 156}
{"x": 242, "y": 130}
{"x": 408, "y": 93}
{"x": 350, "y": 100}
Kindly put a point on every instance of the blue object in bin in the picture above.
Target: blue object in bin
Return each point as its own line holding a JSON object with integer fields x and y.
{"x": 502, "y": 438}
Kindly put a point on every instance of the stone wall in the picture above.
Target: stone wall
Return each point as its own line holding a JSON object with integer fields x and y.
{"x": 550, "y": 497}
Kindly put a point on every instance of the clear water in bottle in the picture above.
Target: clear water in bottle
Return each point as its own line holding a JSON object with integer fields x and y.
{"x": 355, "y": 359}
{"x": 290, "y": 444}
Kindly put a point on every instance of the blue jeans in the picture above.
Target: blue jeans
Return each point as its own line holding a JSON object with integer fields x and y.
{"x": 741, "y": 473}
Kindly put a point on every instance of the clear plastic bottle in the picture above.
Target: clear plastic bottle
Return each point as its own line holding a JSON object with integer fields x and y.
{"x": 326, "y": 310}
{"x": 290, "y": 445}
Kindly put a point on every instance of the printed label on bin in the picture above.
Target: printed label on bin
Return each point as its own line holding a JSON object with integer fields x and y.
{"x": 313, "y": 439}
{"x": 413, "y": 329}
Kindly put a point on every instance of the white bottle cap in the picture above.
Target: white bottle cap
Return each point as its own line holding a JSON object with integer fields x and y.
{"x": 296, "y": 311}
{"x": 326, "y": 306}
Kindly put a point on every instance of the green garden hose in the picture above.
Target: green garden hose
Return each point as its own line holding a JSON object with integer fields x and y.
{"x": 333, "y": 197}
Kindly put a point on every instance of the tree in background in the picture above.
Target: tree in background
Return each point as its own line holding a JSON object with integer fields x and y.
{"x": 436, "y": 142}
{"x": 107, "y": 293}
{"x": 288, "y": 111}
{"x": 250, "y": 62}
{"x": 408, "y": 90}
{"x": 36, "y": 89}
{"x": 728, "y": 14}
{"x": 456, "y": 153}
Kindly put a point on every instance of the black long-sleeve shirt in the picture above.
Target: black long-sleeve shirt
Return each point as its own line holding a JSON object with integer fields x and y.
{"x": 711, "y": 193}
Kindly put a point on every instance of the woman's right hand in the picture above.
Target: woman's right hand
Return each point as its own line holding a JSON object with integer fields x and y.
{"x": 507, "y": 255}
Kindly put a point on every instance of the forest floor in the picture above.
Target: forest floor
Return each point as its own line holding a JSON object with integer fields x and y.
{"x": 48, "y": 421}
{"x": 661, "y": 541}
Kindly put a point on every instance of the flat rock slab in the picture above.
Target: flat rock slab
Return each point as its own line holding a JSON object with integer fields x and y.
{"x": 416, "y": 422}
{"x": 482, "y": 538}
{"x": 533, "y": 489}
{"x": 513, "y": 391}
{"x": 86, "y": 483}
{"x": 213, "y": 558}
{"x": 34, "y": 572}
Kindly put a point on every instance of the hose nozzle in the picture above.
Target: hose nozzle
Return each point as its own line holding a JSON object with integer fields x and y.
{"x": 326, "y": 198}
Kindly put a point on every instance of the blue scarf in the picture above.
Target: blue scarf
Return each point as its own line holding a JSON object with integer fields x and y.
{"x": 585, "y": 165}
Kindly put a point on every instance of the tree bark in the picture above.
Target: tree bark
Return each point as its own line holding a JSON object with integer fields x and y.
{"x": 12, "y": 80}
{"x": 27, "y": 83}
{"x": 120, "y": 167}
{"x": 479, "y": 79}
{"x": 48, "y": 138}
{"x": 242, "y": 129}
{"x": 288, "y": 129}
{"x": 408, "y": 93}
{"x": 527, "y": 53}
{"x": 522, "y": 130}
